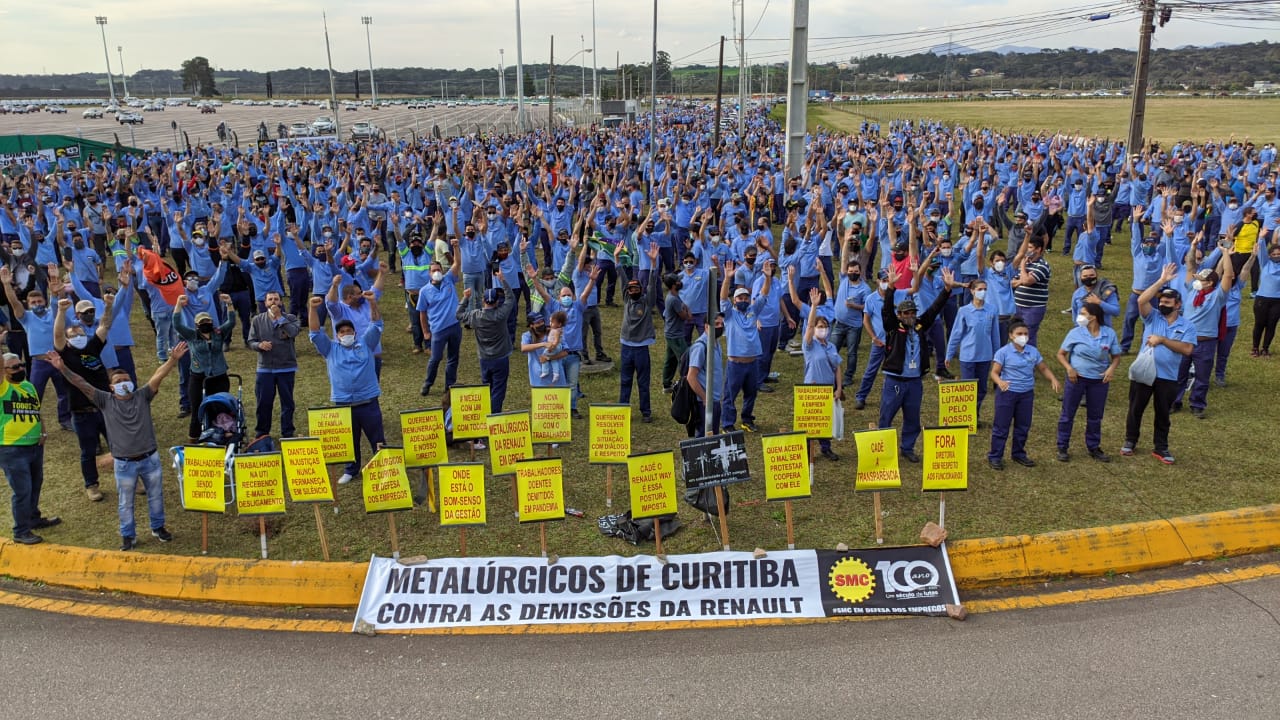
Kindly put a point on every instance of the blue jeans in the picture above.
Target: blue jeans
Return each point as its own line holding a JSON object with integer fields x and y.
{"x": 902, "y": 394}
{"x": 367, "y": 419}
{"x": 739, "y": 377}
{"x": 299, "y": 290}
{"x": 1012, "y": 409}
{"x": 24, "y": 468}
{"x": 1032, "y": 316}
{"x": 572, "y": 365}
{"x": 1201, "y": 357}
{"x": 41, "y": 373}
{"x": 1095, "y": 392}
{"x": 769, "y": 346}
{"x": 474, "y": 282}
{"x": 447, "y": 341}
{"x": 128, "y": 473}
{"x": 1224, "y": 353}
{"x": 849, "y": 336}
{"x": 163, "y": 320}
{"x": 266, "y": 386}
{"x": 1130, "y": 321}
{"x": 980, "y": 371}
{"x": 89, "y": 428}
{"x": 869, "y": 375}
{"x": 635, "y": 364}
{"x": 1075, "y": 226}
{"x": 124, "y": 360}
{"x": 494, "y": 373}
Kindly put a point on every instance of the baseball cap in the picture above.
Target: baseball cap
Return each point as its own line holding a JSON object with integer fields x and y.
{"x": 907, "y": 305}
{"x": 84, "y": 306}
{"x": 259, "y": 254}
{"x": 491, "y": 296}
{"x": 741, "y": 291}
{"x": 201, "y": 317}
{"x": 534, "y": 317}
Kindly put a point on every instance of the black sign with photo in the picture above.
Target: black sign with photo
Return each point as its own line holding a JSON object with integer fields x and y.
{"x": 912, "y": 580}
{"x": 715, "y": 460}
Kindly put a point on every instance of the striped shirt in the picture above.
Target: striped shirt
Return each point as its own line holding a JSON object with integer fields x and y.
{"x": 1037, "y": 293}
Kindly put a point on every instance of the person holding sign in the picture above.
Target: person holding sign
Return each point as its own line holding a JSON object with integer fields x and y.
{"x": 1089, "y": 354}
{"x": 131, "y": 435}
{"x": 821, "y": 360}
{"x": 352, "y": 379}
{"x": 1013, "y": 371}
{"x": 975, "y": 337}
{"x": 906, "y": 359}
{"x": 705, "y": 350}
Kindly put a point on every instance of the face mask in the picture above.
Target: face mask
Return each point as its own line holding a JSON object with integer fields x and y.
{"x": 18, "y": 376}
{"x": 1198, "y": 285}
{"x": 688, "y": 266}
{"x": 854, "y": 277}
{"x": 193, "y": 285}
{"x": 347, "y": 341}
{"x": 1178, "y": 218}
{"x": 884, "y": 285}
{"x": 899, "y": 255}
{"x": 78, "y": 244}
{"x": 1089, "y": 282}
{"x": 935, "y": 218}
{"x": 1233, "y": 206}
{"x": 998, "y": 266}
{"x": 205, "y": 327}
{"x": 78, "y": 342}
{"x": 980, "y": 294}
{"x": 328, "y": 236}
{"x": 436, "y": 276}
{"x": 198, "y": 242}
{"x": 742, "y": 305}
{"x": 821, "y": 333}
{"x": 566, "y": 301}
{"x": 1082, "y": 320}
{"x": 123, "y": 388}
{"x": 471, "y": 234}
{"x": 719, "y": 332}
{"x": 39, "y": 310}
{"x": 946, "y": 177}
{"x": 1148, "y": 250}
{"x": 1021, "y": 340}
{"x": 945, "y": 252}
{"x": 1166, "y": 310}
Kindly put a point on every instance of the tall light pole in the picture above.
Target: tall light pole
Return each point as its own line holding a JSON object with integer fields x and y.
{"x": 106, "y": 55}
{"x": 373, "y": 89}
{"x": 124, "y": 74}
{"x": 520, "y": 119}
{"x": 653, "y": 101}
{"x": 502, "y": 76}
{"x": 595, "y": 77}
{"x": 583, "y": 92}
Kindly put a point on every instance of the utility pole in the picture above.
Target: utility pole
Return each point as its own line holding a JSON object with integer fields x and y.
{"x": 715, "y": 143}
{"x": 797, "y": 107}
{"x": 106, "y": 55}
{"x": 595, "y": 79}
{"x": 520, "y": 118}
{"x": 1138, "y": 112}
{"x": 653, "y": 101}
{"x": 742, "y": 68}
{"x": 373, "y": 89}
{"x": 124, "y": 74}
{"x": 333, "y": 93}
{"x": 551, "y": 87}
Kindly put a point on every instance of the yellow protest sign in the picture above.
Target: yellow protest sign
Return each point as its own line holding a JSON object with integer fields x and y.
{"x": 549, "y": 417}
{"x": 333, "y": 426}
{"x": 259, "y": 484}
{"x": 652, "y": 478}
{"x": 386, "y": 484}
{"x": 958, "y": 404}
{"x": 786, "y": 466}
{"x": 462, "y": 494}
{"x": 203, "y": 475}
{"x": 422, "y": 432}
{"x": 509, "y": 441}
{"x": 946, "y": 459}
{"x": 305, "y": 473}
{"x": 811, "y": 410}
{"x": 877, "y": 460}
{"x": 610, "y": 435}
{"x": 540, "y": 490}
{"x": 470, "y": 406}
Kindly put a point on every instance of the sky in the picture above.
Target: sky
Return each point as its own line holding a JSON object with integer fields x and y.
{"x": 251, "y": 34}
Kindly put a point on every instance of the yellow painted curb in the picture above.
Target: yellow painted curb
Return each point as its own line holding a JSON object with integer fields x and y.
{"x": 976, "y": 563}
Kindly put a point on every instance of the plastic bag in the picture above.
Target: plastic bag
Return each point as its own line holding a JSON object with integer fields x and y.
{"x": 837, "y": 420}
{"x": 1143, "y": 369}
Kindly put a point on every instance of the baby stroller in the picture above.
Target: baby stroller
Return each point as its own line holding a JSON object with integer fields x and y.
{"x": 222, "y": 424}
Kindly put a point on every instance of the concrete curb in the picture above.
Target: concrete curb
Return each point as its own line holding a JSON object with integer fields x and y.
{"x": 976, "y": 563}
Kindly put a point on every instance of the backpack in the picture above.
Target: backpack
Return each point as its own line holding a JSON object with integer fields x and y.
{"x": 683, "y": 399}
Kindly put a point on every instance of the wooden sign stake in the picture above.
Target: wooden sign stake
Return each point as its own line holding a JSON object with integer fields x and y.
{"x": 324, "y": 538}
{"x": 657, "y": 536}
{"x": 462, "y": 541}
{"x": 204, "y": 534}
{"x": 791, "y": 529}
{"x": 608, "y": 487}
{"x": 875, "y": 503}
{"x": 942, "y": 509}
{"x": 515, "y": 498}
{"x": 431, "y": 489}
{"x": 724, "y": 522}
{"x": 262, "y": 534}
{"x": 395, "y": 537}
{"x": 542, "y": 537}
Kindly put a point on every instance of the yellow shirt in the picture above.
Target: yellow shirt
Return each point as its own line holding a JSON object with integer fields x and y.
{"x": 19, "y": 414}
{"x": 1247, "y": 238}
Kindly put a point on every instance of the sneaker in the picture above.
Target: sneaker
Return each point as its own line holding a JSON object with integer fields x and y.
{"x": 646, "y": 418}
{"x": 1025, "y": 461}
{"x": 1097, "y": 454}
{"x": 666, "y": 389}
{"x": 184, "y": 412}
{"x": 1197, "y": 413}
{"x": 859, "y": 404}
{"x": 764, "y": 389}
{"x": 748, "y": 426}
{"x": 127, "y": 543}
{"x": 46, "y": 522}
{"x": 944, "y": 373}
{"x": 162, "y": 534}
{"x": 1177, "y": 408}
{"x": 996, "y": 463}
{"x": 426, "y": 390}
{"x": 478, "y": 445}
{"x": 829, "y": 454}
{"x": 1163, "y": 456}
{"x": 909, "y": 456}
{"x": 576, "y": 415}
{"x": 772, "y": 377}
{"x": 555, "y": 378}
{"x": 346, "y": 478}
{"x": 1220, "y": 382}
{"x": 1127, "y": 449}
{"x": 601, "y": 357}
{"x": 1063, "y": 456}
{"x": 93, "y": 493}
{"x": 28, "y": 538}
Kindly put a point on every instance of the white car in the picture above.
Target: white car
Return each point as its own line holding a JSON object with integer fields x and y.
{"x": 364, "y": 131}
{"x": 324, "y": 125}
{"x": 130, "y": 118}
{"x": 299, "y": 129}
{"x": 56, "y": 109}
{"x": 93, "y": 114}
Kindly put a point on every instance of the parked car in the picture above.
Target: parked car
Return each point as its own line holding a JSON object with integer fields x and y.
{"x": 364, "y": 131}
{"x": 205, "y": 109}
{"x": 130, "y": 118}
{"x": 56, "y": 109}
{"x": 93, "y": 114}
{"x": 299, "y": 129}
{"x": 324, "y": 125}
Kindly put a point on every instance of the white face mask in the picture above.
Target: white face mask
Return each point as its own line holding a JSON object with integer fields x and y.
{"x": 78, "y": 342}
{"x": 347, "y": 340}
{"x": 821, "y": 333}
{"x": 1082, "y": 320}
{"x": 979, "y": 294}
{"x": 123, "y": 388}
{"x": 436, "y": 276}
{"x": 1021, "y": 340}
{"x": 945, "y": 252}
{"x": 198, "y": 242}
{"x": 884, "y": 286}
{"x": 1198, "y": 285}
{"x": 1233, "y": 206}
{"x": 193, "y": 285}
{"x": 998, "y": 266}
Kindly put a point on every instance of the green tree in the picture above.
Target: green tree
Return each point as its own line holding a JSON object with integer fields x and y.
{"x": 197, "y": 77}
{"x": 529, "y": 89}
{"x": 664, "y": 70}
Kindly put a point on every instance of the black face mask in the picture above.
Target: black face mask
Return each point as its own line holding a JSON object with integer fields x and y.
{"x": 719, "y": 332}
{"x": 854, "y": 277}
{"x": 1166, "y": 310}
{"x": 1089, "y": 282}
{"x": 205, "y": 327}
{"x": 87, "y": 318}
{"x": 899, "y": 255}
{"x": 18, "y": 376}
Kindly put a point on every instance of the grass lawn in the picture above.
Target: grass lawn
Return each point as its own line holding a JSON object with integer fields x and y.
{"x": 1167, "y": 119}
{"x": 1219, "y": 467}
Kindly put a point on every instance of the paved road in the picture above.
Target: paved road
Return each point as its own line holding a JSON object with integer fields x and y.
{"x": 1203, "y": 654}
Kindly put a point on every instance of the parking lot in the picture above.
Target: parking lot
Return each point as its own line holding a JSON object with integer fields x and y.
{"x": 158, "y": 131}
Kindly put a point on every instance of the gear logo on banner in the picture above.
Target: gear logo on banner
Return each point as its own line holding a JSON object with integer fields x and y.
{"x": 851, "y": 580}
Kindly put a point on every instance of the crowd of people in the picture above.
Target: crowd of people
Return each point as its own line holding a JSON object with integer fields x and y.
{"x": 930, "y": 241}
